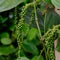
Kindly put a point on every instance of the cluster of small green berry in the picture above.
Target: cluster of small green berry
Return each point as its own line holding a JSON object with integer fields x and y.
{"x": 18, "y": 30}
{"x": 49, "y": 41}
{"x": 19, "y": 26}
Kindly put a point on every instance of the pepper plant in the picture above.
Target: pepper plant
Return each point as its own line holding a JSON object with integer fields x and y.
{"x": 34, "y": 29}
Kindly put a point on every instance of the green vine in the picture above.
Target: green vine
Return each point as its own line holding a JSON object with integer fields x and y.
{"x": 36, "y": 19}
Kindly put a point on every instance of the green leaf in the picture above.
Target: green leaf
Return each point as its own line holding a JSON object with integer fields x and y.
{"x": 9, "y": 4}
{"x": 56, "y": 3}
{"x": 25, "y": 29}
{"x": 48, "y": 1}
{"x": 41, "y": 58}
{"x": 2, "y": 58}
{"x": 51, "y": 18}
{"x": 29, "y": 47}
{"x": 35, "y": 41}
{"x": 6, "y": 41}
{"x": 3, "y": 20}
{"x": 5, "y": 35}
{"x": 12, "y": 27}
{"x": 22, "y": 53}
{"x": 23, "y": 58}
{"x": 38, "y": 0}
{"x": 38, "y": 58}
{"x": 34, "y": 58}
{"x": 6, "y": 50}
{"x": 32, "y": 33}
{"x": 1, "y": 1}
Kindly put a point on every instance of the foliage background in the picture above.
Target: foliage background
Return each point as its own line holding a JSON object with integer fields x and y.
{"x": 31, "y": 46}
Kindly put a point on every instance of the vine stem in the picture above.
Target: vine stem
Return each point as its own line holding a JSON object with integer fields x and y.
{"x": 19, "y": 48}
{"x": 36, "y": 19}
{"x": 41, "y": 51}
{"x": 44, "y": 49}
{"x": 45, "y": 53}
{"x": 44, "y": 23}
